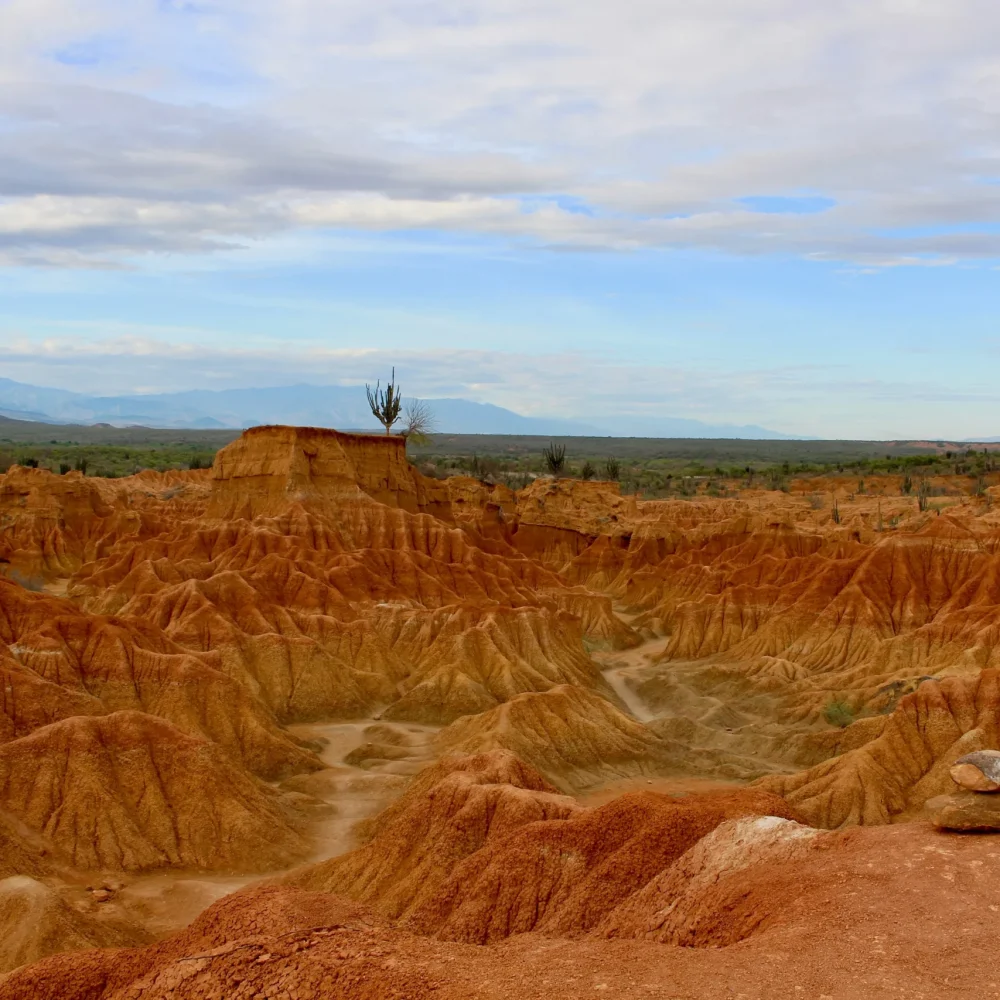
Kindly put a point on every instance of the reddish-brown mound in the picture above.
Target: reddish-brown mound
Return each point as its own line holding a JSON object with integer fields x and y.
{"x": 317, "y": 576}
{"x": 252, "y": 921}
{"x": 60, "y": 662}
{"x": 573, "y": 736}
{"x": 901, "y": 910}
{"x": 53, "y": 524}
{"x": 449, "y": 813}
{"x": 269, "y": 467}
{"x": 564, "y": 878}
{"x": 129, "y": 791}
{"x": 690, "y": 902}
{"x": 467, "y": 661}
{"x": 908, "y": 763}
{"x": 35, "y": 921}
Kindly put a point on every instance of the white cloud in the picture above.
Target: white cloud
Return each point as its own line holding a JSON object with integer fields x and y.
{"x": 174, "y": 127}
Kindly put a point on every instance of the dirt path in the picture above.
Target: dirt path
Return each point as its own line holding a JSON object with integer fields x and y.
{"x": 164, "y": 902}
{"x": 621, "y": 670}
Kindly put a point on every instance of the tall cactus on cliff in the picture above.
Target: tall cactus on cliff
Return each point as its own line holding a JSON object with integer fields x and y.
{"x": 385, "y": 404}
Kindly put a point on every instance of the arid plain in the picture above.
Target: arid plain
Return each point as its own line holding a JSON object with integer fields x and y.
{"x": 309, "y": 724}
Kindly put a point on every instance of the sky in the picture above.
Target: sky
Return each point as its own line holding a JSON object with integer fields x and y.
{"x": 739, "y": 211}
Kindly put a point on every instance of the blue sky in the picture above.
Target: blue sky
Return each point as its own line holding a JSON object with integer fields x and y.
{"x": 738, "y": 211}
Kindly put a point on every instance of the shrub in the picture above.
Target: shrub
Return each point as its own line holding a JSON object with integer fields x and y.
{"x": 588, "y": 471}
{"x": 612, "y": 469}
{"x": 838, "y": 713}
{"x": 419, "y": 422}
{"x": 64, "y": 467}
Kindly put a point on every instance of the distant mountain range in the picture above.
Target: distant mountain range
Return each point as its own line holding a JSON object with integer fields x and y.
{"x": 344, "y": 407}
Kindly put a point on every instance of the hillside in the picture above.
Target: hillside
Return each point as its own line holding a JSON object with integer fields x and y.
{"x": 404, "y": 724}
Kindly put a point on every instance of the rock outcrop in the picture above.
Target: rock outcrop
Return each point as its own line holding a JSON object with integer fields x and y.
{"x": 573, "y": 736}
{"x": 966, "y": 811}
{"x": 979, "y": 771}
{"x": 162, "y": 634}
{"x": 128, "y": 791}
{"x": 35, "y": 921}
{"x": 447, "y": 814}
{"x": 908, "y": 763}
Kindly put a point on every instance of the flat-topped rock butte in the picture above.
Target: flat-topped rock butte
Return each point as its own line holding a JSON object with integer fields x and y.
{"x": 311, "y": 724}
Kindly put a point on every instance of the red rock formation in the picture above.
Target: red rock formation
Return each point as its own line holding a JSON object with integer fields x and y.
{"x": 128, "y": 791}
{"x": 447, "y": 815}
{"x": 901, "y": 913}
{"x": 60, "y": 662}
{"x": 564, "y": 878}
{"x": 690, "y": 903}
{"x": 573, "y": 736}
{"x": 318, "y": 576}
{"x": 270, "y": 467}
{"x": 907, "y": 762}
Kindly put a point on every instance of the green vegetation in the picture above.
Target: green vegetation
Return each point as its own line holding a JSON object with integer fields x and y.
{"x": 838, "y": 713}
{"x": 650, "y": 467}
{"x": 555, "y": 458}
{"x": 683, "y": 467}
{"x": 923, "y": 492}
{"x": 385, "y": 403}
{"x": 106, "y": 451}
{"x": 109, "y": 461}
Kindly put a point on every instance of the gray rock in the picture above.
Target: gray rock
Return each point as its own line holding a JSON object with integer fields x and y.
{"x": 979, "y": 771}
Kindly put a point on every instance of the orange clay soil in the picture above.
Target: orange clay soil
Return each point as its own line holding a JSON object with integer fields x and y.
{"x": 210, "y": 676}
{"x": 870, "y": 912}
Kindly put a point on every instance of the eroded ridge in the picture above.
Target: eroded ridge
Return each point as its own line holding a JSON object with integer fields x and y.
{"x": 602, "y": 723}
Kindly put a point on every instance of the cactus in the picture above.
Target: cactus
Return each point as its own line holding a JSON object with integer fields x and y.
{"x": 923, "y": 492}
{"x": 385, "y": 403}
{"x": 555, "y": 457}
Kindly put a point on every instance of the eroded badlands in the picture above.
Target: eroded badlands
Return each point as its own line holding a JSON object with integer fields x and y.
{"x": 309, "y": 724}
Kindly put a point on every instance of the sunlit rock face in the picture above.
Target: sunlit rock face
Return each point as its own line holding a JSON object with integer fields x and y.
{"x": 442, "y": 713}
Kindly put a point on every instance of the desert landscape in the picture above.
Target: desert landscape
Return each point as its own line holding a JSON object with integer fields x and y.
{"x": 310, "y": 723}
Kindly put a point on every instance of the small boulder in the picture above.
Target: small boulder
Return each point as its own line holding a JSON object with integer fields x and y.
{"x": 100, "y": 895}
{"x": 979, "y": 771}
{"x": 967, "y": 811}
